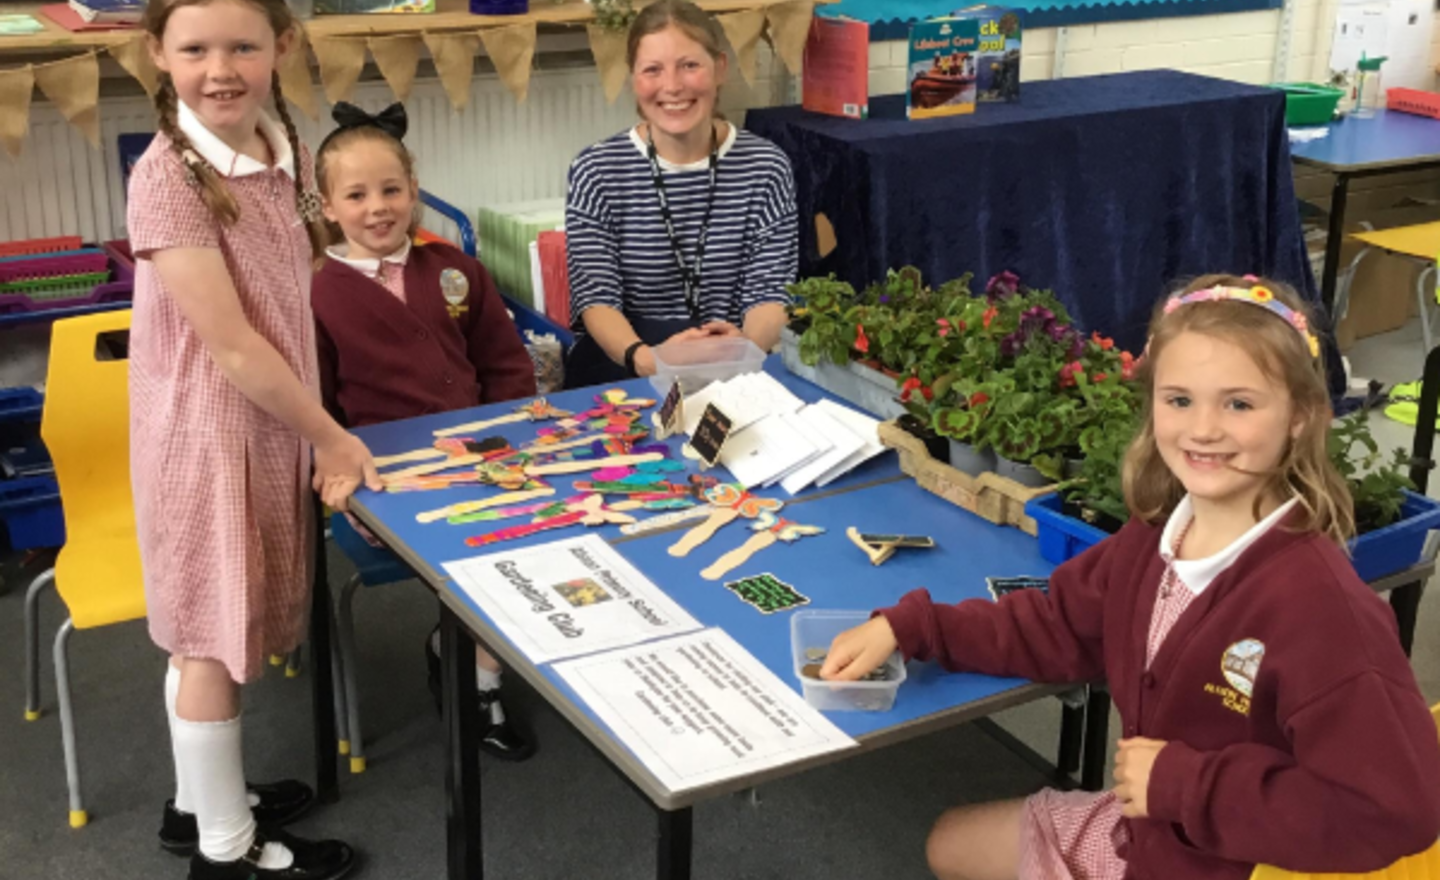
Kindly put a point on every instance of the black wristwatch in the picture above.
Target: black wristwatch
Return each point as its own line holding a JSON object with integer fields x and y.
{"x": 630, "y": 357}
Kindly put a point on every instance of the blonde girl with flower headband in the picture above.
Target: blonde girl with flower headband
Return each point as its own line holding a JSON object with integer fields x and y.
{"x": 1268, "y": 713}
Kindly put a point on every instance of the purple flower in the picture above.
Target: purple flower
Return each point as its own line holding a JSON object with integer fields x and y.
{"x": 884, "y": 298}
{"x": 1002, "y": 285}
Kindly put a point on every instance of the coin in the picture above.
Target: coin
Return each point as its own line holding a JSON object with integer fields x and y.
{"x": 811, "y": 670}
{"x": 816, "y": 655}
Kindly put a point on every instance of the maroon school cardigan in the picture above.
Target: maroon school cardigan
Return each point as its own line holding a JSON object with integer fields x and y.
{"x": 1296, "y": 734}
{"x": 382, "y": 359}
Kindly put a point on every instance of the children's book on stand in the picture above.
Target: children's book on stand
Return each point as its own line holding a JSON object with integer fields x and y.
{"x": 363, "y": 7}
{"x": 836, "y": 80}
{"x": 109, "y": 11}
{"x": 997, "y": 60}
{"x": 941, "y": 73}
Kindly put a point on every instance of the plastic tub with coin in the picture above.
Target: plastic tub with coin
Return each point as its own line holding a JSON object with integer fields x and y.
{"x": 698, "y": 362}
{"x": 811, "y": 633}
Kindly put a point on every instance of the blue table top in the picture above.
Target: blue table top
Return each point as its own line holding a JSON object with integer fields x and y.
{"x": 1388, "y": 139}
{"x": 827, "y": 568}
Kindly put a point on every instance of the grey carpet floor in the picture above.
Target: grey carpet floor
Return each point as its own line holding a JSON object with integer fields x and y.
{"x": 563, "y": 814}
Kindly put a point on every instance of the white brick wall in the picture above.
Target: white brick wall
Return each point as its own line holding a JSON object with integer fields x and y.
{"x": 1240, "y": 46}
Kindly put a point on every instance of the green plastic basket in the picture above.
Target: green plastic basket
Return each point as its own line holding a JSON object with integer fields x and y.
{"x": 58, "y": 287}
{"x": 1309, "y": 103}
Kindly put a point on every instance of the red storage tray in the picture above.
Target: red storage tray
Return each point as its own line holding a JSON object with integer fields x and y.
{"x": 39, "y": 246}
{"x": 1413, "y": 101}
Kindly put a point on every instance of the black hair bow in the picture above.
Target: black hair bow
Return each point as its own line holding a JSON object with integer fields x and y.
{"x": 392, "y": 120}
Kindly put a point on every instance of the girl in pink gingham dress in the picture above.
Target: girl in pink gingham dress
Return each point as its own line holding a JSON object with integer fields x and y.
{"x": 1232, "y": 443}
{"x": 225, "y": 414}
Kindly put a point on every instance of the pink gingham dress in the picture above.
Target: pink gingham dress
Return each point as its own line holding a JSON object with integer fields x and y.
{"x": 222, "y": 489}
{"x": 1074, "y": 835}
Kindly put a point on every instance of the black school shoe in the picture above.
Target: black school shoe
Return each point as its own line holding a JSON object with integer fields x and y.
{"x": 498, "y": 737}
{"x": 280, "y": 804}
{"x": 314, "y": 860}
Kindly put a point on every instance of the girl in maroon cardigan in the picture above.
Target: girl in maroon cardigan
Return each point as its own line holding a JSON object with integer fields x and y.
{"x": 404, "y": 329}
{"x": 1269, "y": 713}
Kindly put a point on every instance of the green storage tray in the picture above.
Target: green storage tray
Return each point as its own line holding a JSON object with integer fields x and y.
{"x": 1309, "y": 103}
{"x": 57, "y": 287}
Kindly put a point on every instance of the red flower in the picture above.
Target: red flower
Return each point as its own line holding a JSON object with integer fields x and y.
{"x": 979, "y": 398}
{"x": 944, "y": 326}
{"x": 925, "y": 390}
{"x": 910, "y": 386}
{"x": 1068, "y": 373}
{"x": 1104, "y": 342}
{"x": 862, "y": 344}
{"x": 1098, "y": 377}
{"x": 989, "y": 316}
{"x": 1127, "y": 366}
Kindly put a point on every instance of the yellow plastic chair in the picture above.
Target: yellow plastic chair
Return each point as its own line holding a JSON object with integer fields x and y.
{"x": 1421, "y": 866}
{"x": 1420, "y": 242}
{"x": 85, "y": 426}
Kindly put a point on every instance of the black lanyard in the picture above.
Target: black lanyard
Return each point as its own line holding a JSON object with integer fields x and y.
{"x": 689, "y": 275}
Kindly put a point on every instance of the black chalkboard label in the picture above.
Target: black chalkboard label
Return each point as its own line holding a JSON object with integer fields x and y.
{"x": 710, "y": 435}
{"x": 670, "y": 410}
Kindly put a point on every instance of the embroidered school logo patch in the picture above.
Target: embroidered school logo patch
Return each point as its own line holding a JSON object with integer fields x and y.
{"x": 456, "y": 289}
{"x": 1241, "y": 664}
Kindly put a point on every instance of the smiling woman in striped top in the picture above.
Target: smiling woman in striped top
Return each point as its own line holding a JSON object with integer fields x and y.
{"x": 682, "y": 227}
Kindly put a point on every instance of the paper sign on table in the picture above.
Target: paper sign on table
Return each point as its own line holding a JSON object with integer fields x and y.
{"x": 568, "y": 598}
{"x": 845, "y": 444}
{"x": 764, "y": 450}
{"x": 862, "y": 426}
{"x": 698, "y": 709}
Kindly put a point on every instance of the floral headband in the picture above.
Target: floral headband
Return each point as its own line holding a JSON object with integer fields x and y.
{"x": 1258, "y": 295}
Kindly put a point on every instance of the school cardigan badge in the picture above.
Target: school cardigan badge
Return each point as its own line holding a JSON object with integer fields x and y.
{"x": 456, "y": 290}
{"x": 1241, "y": 664}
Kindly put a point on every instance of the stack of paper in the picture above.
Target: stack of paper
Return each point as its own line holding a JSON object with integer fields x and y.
{"x": 776, "y": 438}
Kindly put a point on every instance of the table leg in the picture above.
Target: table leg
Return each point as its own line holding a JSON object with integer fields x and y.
{"x": 1097, "y": 739}
{"x": 673, "y": 848}
{"x": 1072, "y": 726}
{"x": 322, "y": 684}
{"x": 462, "y": 749}
{"x": 1335, "y": 237}
{"x": 1406, "y": 603}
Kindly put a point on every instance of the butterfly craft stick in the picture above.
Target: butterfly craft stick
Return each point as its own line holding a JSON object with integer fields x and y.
{"x": 729, "y": 501}
{"x": 663, "y": 521}
{"x": 593, "y": 464}
{"x": 464, "y": 507}
{"x": 770, "y": 528}
{"x": 537, "y": 410}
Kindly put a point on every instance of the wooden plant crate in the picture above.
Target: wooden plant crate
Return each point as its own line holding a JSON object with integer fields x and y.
{"x": 987, "y": 495}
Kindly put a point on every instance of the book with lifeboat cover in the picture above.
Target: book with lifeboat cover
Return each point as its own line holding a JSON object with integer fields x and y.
{"x": 941, "y": 74}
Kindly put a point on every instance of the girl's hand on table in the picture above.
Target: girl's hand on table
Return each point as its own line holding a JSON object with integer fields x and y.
{"x": 856, "y": 652}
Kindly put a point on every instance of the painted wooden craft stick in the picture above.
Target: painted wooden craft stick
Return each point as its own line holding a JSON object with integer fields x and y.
{"x": 463, "y": 507}
{"x": 877, "y": 554}
{"x": 665, "y": 520}
{"x": 718, "y": 518}
{"x": 469, "y": 427}
{"x": 435, "y": 467}
{"x": 425, "y": 454}
{"x": 590, "y": 464}
{"x": 737, "y": 557}
{"x": 544, "y": 448}
{"x": 507, "y": 534}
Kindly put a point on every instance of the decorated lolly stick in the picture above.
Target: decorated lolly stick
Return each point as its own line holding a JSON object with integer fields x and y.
{"x": 590, "y": 464}
{"x": 664, "y": 520}
{"x": 421, "y": 470}
{"x": 730, "y": 501}
{"x": 464, "y": 507}
{"x": 425, "y": 454}
{"x": 537, "y": 410}
{"x": 590, "y": 511}
{"x": 771, "y": 528}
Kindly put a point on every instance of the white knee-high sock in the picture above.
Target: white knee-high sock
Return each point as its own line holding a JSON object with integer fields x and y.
{"x": 485, "y": 680}
{"x": 208, "y": 755}
{"x": 211, "y": 755}
{"x": 183, "y": 801}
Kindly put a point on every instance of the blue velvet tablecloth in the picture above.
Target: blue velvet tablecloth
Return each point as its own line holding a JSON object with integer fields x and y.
{"x": 1105, "y": 189}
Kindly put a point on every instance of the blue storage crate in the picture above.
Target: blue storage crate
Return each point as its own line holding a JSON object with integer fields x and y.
{"x": 21, "y": 404}
{"x": 30, "y": 511}
{"x": 1061, "y": 537}
{"x": 1399, "y": 545}
{"x": 1374, "y": 554}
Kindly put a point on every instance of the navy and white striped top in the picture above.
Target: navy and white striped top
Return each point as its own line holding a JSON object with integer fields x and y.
{"x": 619, "y": 254}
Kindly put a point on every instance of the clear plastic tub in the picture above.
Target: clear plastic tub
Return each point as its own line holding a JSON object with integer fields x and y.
{"x": 699, "y": 362}
{"x": 817, "y": 629}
